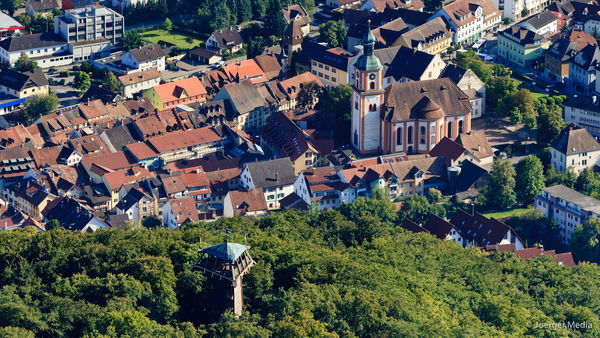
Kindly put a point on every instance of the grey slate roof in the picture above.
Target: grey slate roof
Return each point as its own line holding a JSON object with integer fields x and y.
{"x": 228, "y": 38}
{"x": 542, "y": 19}
{"x": 25, "y": 42}
{"x": 401, "y": 61}
{"x": 44, "y": 5}
{"x": 147, "y": 53}
{"x": 574, "y": 140}
{"x": 588, "y": 58}
{"x": 244, "y": 96}
{"x": 273, "y": 173}
{"x": 119, "y": 137}
{"x": 19, "y": 81}
{"x": 575, "y": 197}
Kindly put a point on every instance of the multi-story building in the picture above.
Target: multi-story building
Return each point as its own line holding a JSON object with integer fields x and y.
{"x": 558, "y": 56}
{"x": 20, "y": 86}
{"x": 138, "y": 82}
{"x": 328, "y": 63}
{"x": 275, "y": 177}
{"x": 544, "y": 23}
{"x": 563, "y": 10}
{"x": 470, "y": 18}
{"x": 431, "y": 37}
{"x": 90, "y": 31}
{"x": 144, "y": 58}
{"x": 520, "y": 46}
{"x": 582, "y": 68}
{"x": 517, "y": 9}
{"x": 469, "y": 83}
{"x": 172, "y": 94}
{"x": 567, "y": 207}
{"x": 585, "y": 112}
{"x": 574, "y": 150}
{"x": 250, "y": 108}
{"x": 47, "y": 49}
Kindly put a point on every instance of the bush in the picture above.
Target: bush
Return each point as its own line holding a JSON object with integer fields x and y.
{"x": 64, "y": 73}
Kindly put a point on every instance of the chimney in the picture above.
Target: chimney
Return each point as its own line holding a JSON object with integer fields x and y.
{"x": 594, "y": 99}
{"x": 479, "y": 147}
{"x": 276, "y": 176}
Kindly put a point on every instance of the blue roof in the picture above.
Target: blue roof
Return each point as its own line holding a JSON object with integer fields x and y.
{"x": 226, "y": 251}
{"x": 12, "y": 103}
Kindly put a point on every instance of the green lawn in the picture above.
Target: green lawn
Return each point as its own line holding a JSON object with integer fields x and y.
{"x": 507, "y": 213}
{"x": 175, "y": 38}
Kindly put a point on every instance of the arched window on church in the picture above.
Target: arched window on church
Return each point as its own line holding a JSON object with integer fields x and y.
{"x": 460, "y": 127}
{"x": 442, "y": 131}
{"x": 409, "y": 135}
{"x": 423, "y": 134}
{"x": 356, "y": 105}
{"x": 373, "y": 107}
{"x": 355, "y": 138}
{"x": 399, "y": 136}
{"x": 372, "y": 85}
{"x": 450, "y": 130}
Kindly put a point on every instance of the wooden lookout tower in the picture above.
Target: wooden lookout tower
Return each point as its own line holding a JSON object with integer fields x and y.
{"x": 225, "y": 265}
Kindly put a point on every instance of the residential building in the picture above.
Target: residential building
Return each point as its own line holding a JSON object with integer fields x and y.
{"x": 405, "y": 117}
{"x": 73, "y": 215}
{"x": 521, "y": 47}
{"x": 582, "y": 68}
{"x": 431, "y": 37}
{"x": 388, "y": 34}
{"x": 179, "y": 211}
{"x": 565, "y": 258}
{"x": 17, "y": 87}
{"x": 247, "y": 203}
{"x": 275, "y": 177}
{"x": 584, "y": 111}
{"x": 480, "y": 231}
{"x": 172, "y": 94}
{"x": 297, "y": 13}
{"x": 28, "y": 196}
{"x": 330, "y": 64}
{"x": 225, "y": 40}
{"x": 470, "y": 84}
{"x": 558, "y": 56}
{"x": 251, "y": 110}
{"x": 567, "y": 207}
{"x": 176, "y": 145}
{"x": 342, "y": 3}
{"x": 204, "y": 56}
{"x": 563, "y": 10}
{"x": 476, "y": 144}
{"x": 544, "y": 23}
{"x": 574, "y": 150}
{"x": 293, "y": 86}
{"x": 43, "y": 7}
{"x": 138, "y": 82}
{"x": 280, "y": 137}
{"x": 515, "y": 10}
{"x": 468, "y": 19}
{"x": 47, "y": 49}
{"x": 403, "y": 64}
{"x": 322, "y": 188}
{"x": 136, "y": 204}
{"x": 144, "y": 58}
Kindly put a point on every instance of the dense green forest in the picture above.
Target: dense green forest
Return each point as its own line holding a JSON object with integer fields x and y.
{"x": 351, "y": 272}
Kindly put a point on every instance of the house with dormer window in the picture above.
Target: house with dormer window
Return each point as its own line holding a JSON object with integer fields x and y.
{"x": 469, "y": 19}
{"x": 172, "y": 94}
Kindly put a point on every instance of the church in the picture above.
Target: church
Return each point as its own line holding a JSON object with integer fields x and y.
{"x": 409, "y": 117}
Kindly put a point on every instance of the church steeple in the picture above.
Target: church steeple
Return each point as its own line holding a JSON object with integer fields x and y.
{"x": 368, "y": 61}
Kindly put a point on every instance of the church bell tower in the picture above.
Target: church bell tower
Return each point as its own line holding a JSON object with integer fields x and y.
{"x": 367, "y": 97}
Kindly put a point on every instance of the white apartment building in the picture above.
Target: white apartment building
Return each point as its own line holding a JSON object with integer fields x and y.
{"x": 575, "y": 149}
{"x": 567, "y": 207}
{"x": 514, "y": 9}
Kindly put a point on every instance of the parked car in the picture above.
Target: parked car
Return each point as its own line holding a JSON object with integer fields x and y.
{"x": 52, "y": 71}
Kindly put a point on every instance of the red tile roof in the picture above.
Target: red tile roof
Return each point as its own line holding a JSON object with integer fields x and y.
{"x": 293, "y": 85}
{"x": 175, "y": 90}
{"x": 247, "y": 69}
{"x": 114, "y": 161}
{"x": 184, "y": 209}
{"x": 247, "y": 201}
{"x": 117, "y": 179}
{"x": 182, "y": 139}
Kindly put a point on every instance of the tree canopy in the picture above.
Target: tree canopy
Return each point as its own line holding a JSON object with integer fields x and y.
{"x": 500, "y": 191}
{"x": 24, "y": 64}
{"x": 333, "y": 33}
{"x": 38, "y": 106}
{"x": 81, "y": 81}
{"x": 351, "y": 272}
{"x": 529, "y": 179}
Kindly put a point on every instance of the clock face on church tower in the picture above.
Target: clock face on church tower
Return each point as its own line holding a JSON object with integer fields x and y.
{"x": 372, "y": 77}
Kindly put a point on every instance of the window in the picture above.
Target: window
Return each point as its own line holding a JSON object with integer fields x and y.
{"x": 355, "y": 138}
{"x": 410, "y": 135}
{"x": 373, "y": 107}
{"x": 355, "y": 104}
{"x": 460, "y": 126}
{"x": 372, "y": 85}
{"x": 333, "y": 70}
{"x": 450, "y": 129}
{"x": 423, "y": 134}
{"x": 399, "y": 136}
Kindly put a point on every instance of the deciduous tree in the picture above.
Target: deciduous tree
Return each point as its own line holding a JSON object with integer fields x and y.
{"x": 500, "y": 191}
{"x": 529, "y": 179}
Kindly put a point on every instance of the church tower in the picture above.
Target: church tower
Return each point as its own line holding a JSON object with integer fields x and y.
{"x": 367, "y": 98}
